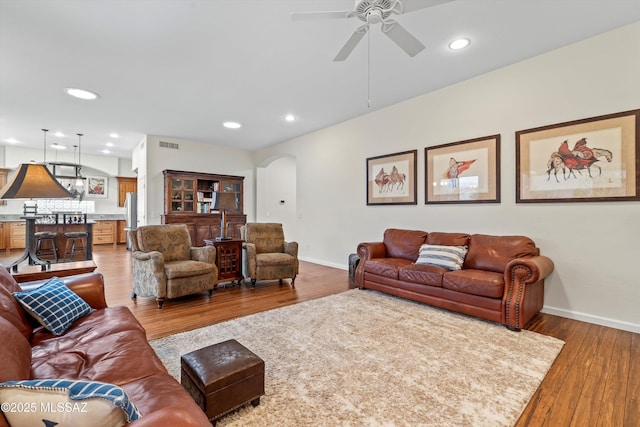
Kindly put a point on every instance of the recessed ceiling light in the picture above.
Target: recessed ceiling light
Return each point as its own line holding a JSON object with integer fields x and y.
{"x": 290, "y": 118}
{"x": 109, "y": 144}
{"x": 232, "y": 125}
{"x": 81, "y": 93}
{"x": 114, "y": 135}
{"x": 59, "y": 134}
{"x": 12, "y": 141}
{"x": 105, "y": 151}
{"x": 58, "y": 146}
{"x": 459, "y": 44}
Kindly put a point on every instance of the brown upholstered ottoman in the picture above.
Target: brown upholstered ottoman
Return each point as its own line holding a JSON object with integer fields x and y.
{"x": 223, "y": 377}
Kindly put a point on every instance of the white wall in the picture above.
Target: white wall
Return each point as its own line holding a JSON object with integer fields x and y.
{"x": 276, "y": 183}
{"x": 594, "y": 245}
{"x": 195, "y": 157}
{"x": 138, "y": 163}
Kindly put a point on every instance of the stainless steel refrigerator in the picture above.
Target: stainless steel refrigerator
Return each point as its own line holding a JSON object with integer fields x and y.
{"x": 131, "y": 214}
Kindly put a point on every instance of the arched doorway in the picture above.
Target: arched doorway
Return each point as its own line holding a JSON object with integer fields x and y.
{"x": 276, "y": 197}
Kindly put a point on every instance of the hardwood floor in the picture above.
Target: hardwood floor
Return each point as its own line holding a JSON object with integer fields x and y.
{"x": 595, "y": 381}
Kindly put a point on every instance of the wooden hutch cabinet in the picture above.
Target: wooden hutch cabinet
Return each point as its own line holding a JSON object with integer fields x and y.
{"x": 191, "y": 198}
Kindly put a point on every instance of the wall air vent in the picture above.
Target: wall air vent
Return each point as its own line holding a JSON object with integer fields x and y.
{"x": 172, "y": 145}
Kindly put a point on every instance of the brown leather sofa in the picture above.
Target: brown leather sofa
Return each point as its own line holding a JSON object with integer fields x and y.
{"x": 108, "y": 345}
{"x": 501, "y": 280}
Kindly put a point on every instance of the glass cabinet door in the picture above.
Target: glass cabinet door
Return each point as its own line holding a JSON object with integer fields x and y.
{"x": 182, "y": 195}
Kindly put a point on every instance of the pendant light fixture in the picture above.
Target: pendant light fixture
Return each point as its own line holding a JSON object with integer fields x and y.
{"x": 32, "y": 181}
{"x": 79, "y": 179}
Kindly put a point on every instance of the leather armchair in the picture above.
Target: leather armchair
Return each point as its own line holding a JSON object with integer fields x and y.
{"x": 268, "y": 256}
{"x": 165, "y": 265}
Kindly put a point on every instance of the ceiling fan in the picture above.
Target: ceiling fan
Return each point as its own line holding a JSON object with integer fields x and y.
{"x": 376, "y": 12}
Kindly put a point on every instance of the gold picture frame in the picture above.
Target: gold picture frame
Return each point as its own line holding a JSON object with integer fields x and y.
{"x": 588, "y": 160}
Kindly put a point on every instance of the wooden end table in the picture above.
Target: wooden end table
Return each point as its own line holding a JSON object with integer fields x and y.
{"x": 228, "y": 259}
{"x": 30, "y": 273}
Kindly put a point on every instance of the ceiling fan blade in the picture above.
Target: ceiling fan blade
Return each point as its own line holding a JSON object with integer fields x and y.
{"x": 402, "y": 37}
{"x": 312, "y": 16}
{"x": 412, "y": 5}
{"x": 351, "y": 43}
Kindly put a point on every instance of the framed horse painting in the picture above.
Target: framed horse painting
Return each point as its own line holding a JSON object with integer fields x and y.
{"x": 588, "y": 160}
{"x": 391, "y": 179}
{"x": 463, "y": 172}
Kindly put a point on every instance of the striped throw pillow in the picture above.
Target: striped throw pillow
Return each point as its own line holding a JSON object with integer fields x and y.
{"x": 59, "y": 402}
{"x": 449, "y": 257}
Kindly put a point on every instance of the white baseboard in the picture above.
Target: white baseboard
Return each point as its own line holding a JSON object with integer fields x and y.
{"x": 590, "y": 318}
{"x": 325, "y": 263}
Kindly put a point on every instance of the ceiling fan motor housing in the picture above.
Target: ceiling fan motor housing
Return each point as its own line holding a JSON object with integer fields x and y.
{"x": 374, "y": 11}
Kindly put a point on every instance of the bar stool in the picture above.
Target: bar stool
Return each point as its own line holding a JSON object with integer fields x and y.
{"x": 72, "y": 238}
{"x": 51, "y": 249}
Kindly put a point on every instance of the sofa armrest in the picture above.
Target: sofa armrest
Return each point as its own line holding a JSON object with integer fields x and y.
{"x": 169, "y": 416}
{"x": 250, "y": 259}
{"x": 146, "y": 256}
{"x": 528, "y": 270}
{"x": 149, "y": 278}
{"x": 524, "y": 289}
{"x": 366, "y": 251}
{"x": 291, "y": 248}
{"x": 88, "y": 286}
{"x": 204, "y": 254}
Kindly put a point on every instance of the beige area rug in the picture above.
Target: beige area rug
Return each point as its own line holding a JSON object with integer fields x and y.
{"x": 363, "y": 358}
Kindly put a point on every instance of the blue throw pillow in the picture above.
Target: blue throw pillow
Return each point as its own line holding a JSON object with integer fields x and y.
{"x": 53, "y": 305}
{"x": 66, "y": 403}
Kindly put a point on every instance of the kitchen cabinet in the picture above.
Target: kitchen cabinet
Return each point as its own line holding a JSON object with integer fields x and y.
{"x": 126, "y": 185}
{"x": 104, "y": 232}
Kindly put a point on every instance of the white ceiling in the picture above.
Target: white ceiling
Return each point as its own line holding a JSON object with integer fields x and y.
{"x": 180, "y": 68}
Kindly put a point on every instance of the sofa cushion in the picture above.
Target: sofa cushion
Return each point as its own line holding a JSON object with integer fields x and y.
{"x": 172, "y": 240}
{"x": 108, "y": 345}
{"x": 267, "y": 237}
{"x": 475, "y": 282}
{"x": 448, "y": 239}
{"x": 426, "y": 274}
{"x": 274, "y": 259}
{"x": 449, "y": 257}
{"x": 187, "y": 268}
{"x": 387, "y": 267}
{"x": 53, "y": 305}
{"x": 100, "y": 323}
{"x": 403, "y": 243}
{"x": 69, "y": 403}
{"x": 15, "y": 353}
{"x": 159, "y": 391}
{"x": 493, "y": 253}
{"x": 10, "y": 308}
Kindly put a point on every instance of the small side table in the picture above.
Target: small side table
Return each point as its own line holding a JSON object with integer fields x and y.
{"x": 228, "y": 259}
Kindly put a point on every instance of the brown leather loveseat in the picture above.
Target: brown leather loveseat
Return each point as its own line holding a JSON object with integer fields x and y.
{"x": 501, "y": 278}
{"x": 108, "y": 345}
